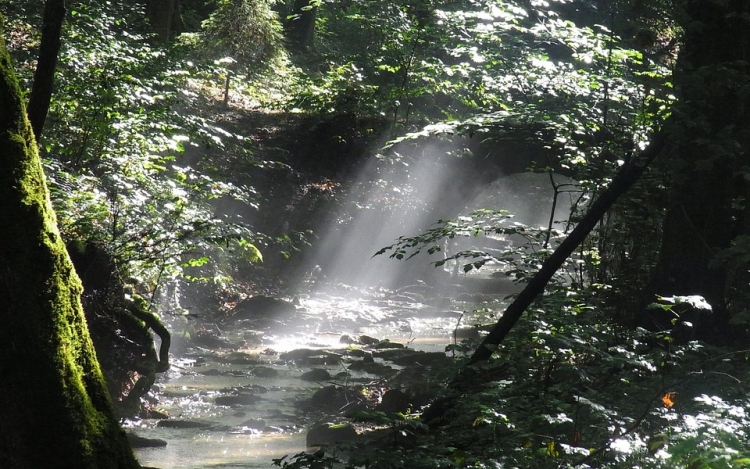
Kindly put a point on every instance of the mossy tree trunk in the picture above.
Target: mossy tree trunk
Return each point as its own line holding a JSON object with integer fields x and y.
{"x": 55, "y": 411}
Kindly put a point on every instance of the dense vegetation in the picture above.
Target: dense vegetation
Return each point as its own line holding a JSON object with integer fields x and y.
{"x": 173, "y": 145}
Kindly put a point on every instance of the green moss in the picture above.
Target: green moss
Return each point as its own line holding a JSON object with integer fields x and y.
{"x": 54, "y": 408}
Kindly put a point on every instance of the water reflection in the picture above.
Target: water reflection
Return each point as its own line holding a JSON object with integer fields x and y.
{"x": 211, "y": 450}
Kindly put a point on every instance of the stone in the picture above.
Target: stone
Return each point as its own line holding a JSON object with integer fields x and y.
{"x": 254, "y": 424}
{"x": 264, "y": 372}
{"x": 331, "y": 433}
{"x": 329, "y": 397}
{"x": 316, "y": 374}
{"x": 394, "y": 400}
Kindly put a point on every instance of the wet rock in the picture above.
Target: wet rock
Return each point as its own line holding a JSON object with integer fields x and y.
{"x": 151, "y": 413}
{"x": 330, "y": 433}
{"x": 237, "y": 399}
{"x": 423, "y": 358}
{"x": 373, "y": 368}
{"x": 329, "y": 398}
{"x": 311, "y": 357}
{"x": 264, "y": 372}
{"x": 258, "y": 389}
{"x": 347, "y": 339}
{"x": 386, "y": 344}
{"x": 394, "y": 400}
{"x": 317, "y": 374}
{"x": 262, "y": 307}
{"x": 141, "y": 442}
{"x": 356, "y": 352}
{"x": 182, "y": 424}
{"x": 367, "y": 340}
{"x": 254, "y": 424}
{"x": 211, "y": 372}
{"x": 272, "y": 429}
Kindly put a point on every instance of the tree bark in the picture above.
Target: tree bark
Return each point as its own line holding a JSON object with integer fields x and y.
{"x": 712, "y": 136}
{"x": 55, "y": 411}
{"x": 44, "y": 76}
{"x": 301, "y": 28}
{"x": 161, "y": 13}
{"x": 627, "y": 176}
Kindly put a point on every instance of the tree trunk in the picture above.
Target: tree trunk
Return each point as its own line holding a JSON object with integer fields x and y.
{"x": 301, "y": 27}
{"x": 44, "y": 76}
{"x": 161, "y": 13}
{"x": 712, "y": 136}
{"x": 627, "y": 176}
{"x": 55, "y": 411}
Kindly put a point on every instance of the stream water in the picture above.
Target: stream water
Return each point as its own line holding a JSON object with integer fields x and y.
{"x": 268, "y": 425}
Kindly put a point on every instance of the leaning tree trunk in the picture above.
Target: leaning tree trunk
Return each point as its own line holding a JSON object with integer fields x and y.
{"x": 710, "y": 164}
{"x": 55, "y": 411}
{"x": 626, "y": 177}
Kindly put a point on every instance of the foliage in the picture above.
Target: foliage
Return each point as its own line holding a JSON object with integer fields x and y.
{"x": 248, "y": 31}
{"x": 113, "y": 148}
{"x": 570, "y": 389}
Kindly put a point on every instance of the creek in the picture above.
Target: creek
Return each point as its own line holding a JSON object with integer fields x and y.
{"x": 236, "y": 392}
{"x": 255, "y": 363}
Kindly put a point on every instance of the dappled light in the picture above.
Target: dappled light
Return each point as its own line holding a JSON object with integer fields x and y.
{"x": 362, "y": 234}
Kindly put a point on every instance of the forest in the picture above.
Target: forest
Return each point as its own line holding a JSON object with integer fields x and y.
{"x": 368, "y": 234}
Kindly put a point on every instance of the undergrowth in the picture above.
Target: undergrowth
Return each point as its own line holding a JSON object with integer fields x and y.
{"x": 570, "y": 389}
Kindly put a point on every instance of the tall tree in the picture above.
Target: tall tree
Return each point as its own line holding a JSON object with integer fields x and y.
{"x": 301, "y": 25}
{"x": 55, "y": 411}
{"x": 41, "y": 90}
{"x": 711, "y": 135}
{"x": 161, "y": 15}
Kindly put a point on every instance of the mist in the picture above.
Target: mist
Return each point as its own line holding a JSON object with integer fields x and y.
{"x": 387, "y": 200}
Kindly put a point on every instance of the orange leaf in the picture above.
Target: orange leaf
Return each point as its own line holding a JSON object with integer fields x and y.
{"x": 668, "y": 399}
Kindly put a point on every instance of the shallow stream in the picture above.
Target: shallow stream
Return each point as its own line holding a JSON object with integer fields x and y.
{"x": 249, "y": 366}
